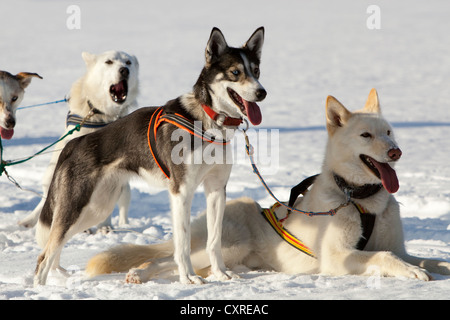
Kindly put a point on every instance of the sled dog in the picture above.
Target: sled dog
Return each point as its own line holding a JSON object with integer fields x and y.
{"x": 12, "y": 90}
{"x": 359, "y": 160}
{"x": 92, "y": 169}
{"x": 106, "y": 92}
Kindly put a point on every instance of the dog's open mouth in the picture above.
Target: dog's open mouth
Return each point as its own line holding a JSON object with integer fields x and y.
{"x": 119, "y": 91}
{"x": 383, "y": 171}
{"x": 250, "y": 109}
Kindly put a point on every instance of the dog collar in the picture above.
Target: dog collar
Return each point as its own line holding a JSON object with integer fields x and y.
{"x": 74, "y": 119}
{"x": 356, "y": 192}
{"x": 234, "y": 122}
{"x": 93, "y": 109}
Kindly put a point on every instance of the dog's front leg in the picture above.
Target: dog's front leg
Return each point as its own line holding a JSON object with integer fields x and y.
{"x": 181, "y": 214}
{"x": 352, "y": 261}
{"x": 215, "y": 207}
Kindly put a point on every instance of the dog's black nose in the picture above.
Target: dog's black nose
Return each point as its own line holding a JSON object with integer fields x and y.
{"x": 10, "y": 122}
{"x": 261, "y": 94}
{"x": 124, "y": 72}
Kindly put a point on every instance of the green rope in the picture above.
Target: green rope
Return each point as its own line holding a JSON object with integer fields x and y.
{"x": 4, "y": 164}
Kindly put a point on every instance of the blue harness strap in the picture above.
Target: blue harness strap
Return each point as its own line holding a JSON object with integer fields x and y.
{"x": 74, "y": 119}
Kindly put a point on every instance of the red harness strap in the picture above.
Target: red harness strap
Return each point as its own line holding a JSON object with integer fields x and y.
{"x": 178, "y": 120}
{"x": 234, "y": 122}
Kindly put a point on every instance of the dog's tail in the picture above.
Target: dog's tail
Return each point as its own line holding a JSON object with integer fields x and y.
{"x": 124, "y": 257}
{"x": 42, "y": 234}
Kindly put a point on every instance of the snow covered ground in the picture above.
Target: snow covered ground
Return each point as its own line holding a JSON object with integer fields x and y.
{"x": 312, "y": 49}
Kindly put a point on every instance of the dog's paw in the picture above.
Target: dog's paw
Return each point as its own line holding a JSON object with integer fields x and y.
{"x": 192, "y": 279}
{"x": 133, "y": 276}
{"x": 105, "y": 230}
{"x": 422, "y": 274}
{"x": 233, "y": 275}
{"x": 414, "y": 272}
{"x": 227, "y": 275}
{"x": 439, "y": 267}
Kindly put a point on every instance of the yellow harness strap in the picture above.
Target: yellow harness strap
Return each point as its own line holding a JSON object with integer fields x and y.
{"x": 367, "y": 220}
{"x": 271, "y": 218}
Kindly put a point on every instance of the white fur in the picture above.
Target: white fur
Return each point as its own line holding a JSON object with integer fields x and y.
{"x": 94, "y": 86}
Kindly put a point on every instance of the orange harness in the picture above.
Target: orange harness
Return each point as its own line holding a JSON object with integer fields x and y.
{"x": 180, "y": 121}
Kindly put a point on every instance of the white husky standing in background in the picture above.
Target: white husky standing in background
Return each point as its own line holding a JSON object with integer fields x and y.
{"x": 106, "y": 92}
{"x": 358, "y": 166}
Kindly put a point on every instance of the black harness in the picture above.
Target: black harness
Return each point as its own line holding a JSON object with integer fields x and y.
{"x": 354, "y": 192}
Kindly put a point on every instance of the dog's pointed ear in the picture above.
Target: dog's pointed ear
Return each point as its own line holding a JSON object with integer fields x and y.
{"x": 337, "y": 115}
{"x": 88, "y": 58}
{"x": 372, "y": 103}
{"x": 136, "y": 61}
{"x": 25, "y": 78}
{"x": 216, "y": 45}
{"x": 255, "y": 42}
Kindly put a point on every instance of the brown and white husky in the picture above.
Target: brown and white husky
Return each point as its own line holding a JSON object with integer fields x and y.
{"x": 92, "y": 169}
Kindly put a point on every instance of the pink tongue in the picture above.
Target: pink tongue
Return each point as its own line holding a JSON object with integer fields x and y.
{"x": 6, "y": 133}
{"x": 253, "y": 112}
{"x": 388, "y": 176}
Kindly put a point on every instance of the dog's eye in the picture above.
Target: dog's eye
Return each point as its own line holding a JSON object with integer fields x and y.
{"x": 256, "y": 71}
{"x": 236, "y": 72}
{"x": 108, "y": 62}
{"x": 14, "y": 98}
{"x": 128, "y": 62}
{"x": 366, "y": 135}
{"x": 389, "y": 132}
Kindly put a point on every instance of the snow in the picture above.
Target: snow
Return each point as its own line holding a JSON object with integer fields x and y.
{"x": 312, "y": 49}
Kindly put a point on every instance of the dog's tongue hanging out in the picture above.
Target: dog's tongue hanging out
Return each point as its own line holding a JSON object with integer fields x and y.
{"x": 388, "y": 176}
{"x": 6, "y": 133}
{"x": 253, "y": 112}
